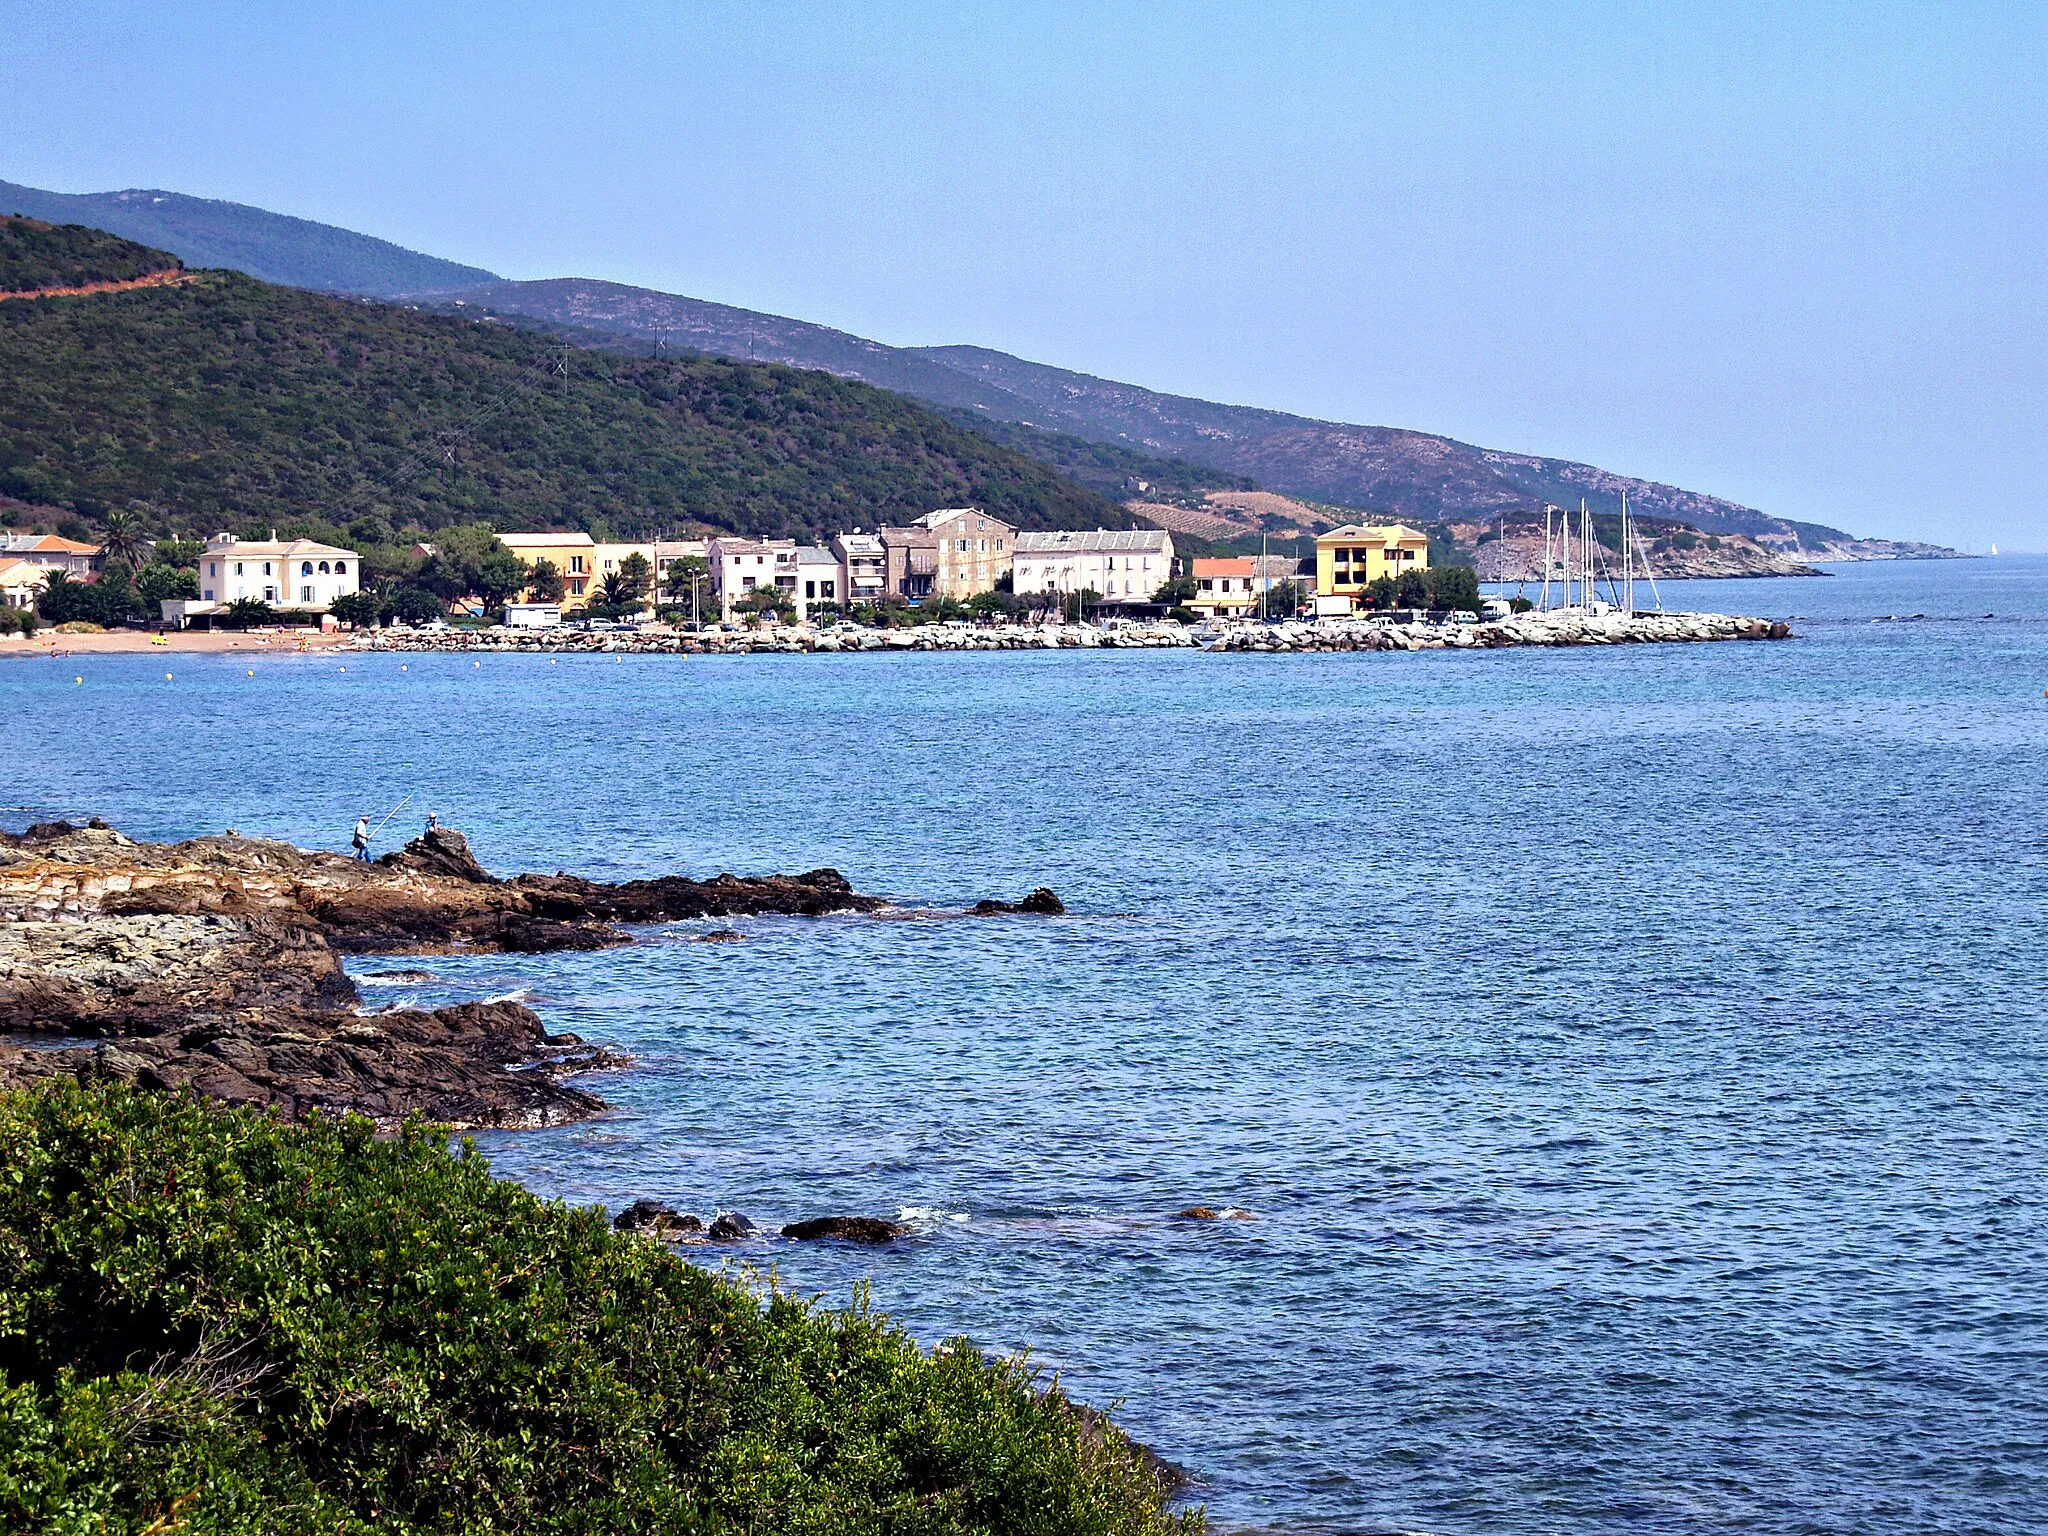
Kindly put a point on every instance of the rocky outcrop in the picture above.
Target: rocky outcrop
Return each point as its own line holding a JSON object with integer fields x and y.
{"x": 216, "y": 965}
{"x": 846, "y": 1229}
{"x": 1041, "y": 902}
{"x": 650, "y": 1218}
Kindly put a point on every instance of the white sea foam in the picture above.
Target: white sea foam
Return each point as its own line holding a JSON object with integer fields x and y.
{"x": 929, "y": 1216}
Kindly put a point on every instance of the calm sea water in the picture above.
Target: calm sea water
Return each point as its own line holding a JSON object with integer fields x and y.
{"x": 1635, "y": 1062}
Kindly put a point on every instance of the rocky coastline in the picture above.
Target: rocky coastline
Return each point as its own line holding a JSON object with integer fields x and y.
{"x": 1359, "y": 633}
{"x": 215, "y": 965}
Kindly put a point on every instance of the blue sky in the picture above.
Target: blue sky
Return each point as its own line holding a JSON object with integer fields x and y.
{"x": 1792, "y": 254}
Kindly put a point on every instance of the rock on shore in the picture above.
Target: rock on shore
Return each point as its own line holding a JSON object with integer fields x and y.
{"x": 215, "y": 964}
{"x": 1360, "y": 632}
{"x": 1527, "y": 629}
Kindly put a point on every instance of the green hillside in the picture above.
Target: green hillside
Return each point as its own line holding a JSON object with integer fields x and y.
{"x": 225, "y": 402}
{"x": 35, "y": 255}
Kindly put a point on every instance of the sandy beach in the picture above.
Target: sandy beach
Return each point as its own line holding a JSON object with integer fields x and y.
{"x": 125, "y": 642}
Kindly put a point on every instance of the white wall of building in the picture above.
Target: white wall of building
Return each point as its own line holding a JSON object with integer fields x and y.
{"x": 292, "y": 573}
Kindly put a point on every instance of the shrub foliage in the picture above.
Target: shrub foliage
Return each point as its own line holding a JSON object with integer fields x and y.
{"x": 215, "y": 1321}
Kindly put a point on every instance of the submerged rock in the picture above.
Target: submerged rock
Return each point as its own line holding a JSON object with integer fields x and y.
{"x": 1042, "y": 902}
{"x": 847, "y": 1229}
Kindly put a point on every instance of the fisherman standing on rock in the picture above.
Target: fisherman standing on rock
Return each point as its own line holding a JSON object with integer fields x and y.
{"x": 361, "y": 841}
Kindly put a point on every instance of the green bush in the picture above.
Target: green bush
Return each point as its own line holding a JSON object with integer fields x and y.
{"x": 212, "y": 1317}
{"x": 108, "y": 601}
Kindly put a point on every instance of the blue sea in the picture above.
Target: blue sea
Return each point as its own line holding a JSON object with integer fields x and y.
{"x": 1633, "y": 1063}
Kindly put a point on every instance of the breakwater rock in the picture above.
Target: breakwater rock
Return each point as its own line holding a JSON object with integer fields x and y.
{"x": 1363, "y": 632}
{"x": 788, "y": 640}
{"x": 216, "y": 964}
{"x": 1528, "y": 629}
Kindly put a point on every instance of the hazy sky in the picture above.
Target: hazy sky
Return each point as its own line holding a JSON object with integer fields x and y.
{"x": 1794, "y": 255}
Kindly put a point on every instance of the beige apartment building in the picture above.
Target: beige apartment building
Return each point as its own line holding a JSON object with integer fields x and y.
{"x": 956, "y": 552}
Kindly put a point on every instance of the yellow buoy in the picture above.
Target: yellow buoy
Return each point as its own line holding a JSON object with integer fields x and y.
{"x": 476, "y": 663}
{"x": 78, "y": 679}
{"x": 167, "y": 677}
{"x": 252, "y": 671}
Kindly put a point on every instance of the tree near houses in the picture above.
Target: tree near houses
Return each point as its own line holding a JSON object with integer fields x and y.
{"x": 123, "y": 540}
{"x": 361, "y": 609}
{"x": 766, "y": 598}
{"x": 636, "y": 579}
{"x": 416, "y": 605}
{"x": 686, "y": 574}
{"x": 544, "y": 582}
{"x": 158, "y": 582}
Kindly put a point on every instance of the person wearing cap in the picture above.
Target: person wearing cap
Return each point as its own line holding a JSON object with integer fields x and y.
{"x": 361, "y": 841}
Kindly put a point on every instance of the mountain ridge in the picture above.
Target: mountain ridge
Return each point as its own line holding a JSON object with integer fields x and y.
{"x": 225, "y": 401}
{"x": 272, "y": 247}
{"x": 1388, "y": 471}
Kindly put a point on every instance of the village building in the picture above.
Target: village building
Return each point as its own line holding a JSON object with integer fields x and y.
{"x": 911, "y": 562}
{"x": 816, "y": 578}
{"x": 21, "y": 582}
{"x": 573, "y": 555}
{"x": 1351, "y": 558}
{"x": 974, "y": 551}
{"x": 301, "y": 575}
{"x": 51, "y": 553}
{"x": 740, "y": 565}
{"x": 1119, "y": 565}
{"x": 1224, "y": 589}
{"x": 863, "y": 566}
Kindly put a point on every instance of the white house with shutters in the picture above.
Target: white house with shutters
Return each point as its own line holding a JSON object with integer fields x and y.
{"x": 1119, "y": 565}
{"x": 285, "y": 573}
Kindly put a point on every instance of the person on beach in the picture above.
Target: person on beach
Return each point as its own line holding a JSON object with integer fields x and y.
{"x": 361, "y": 841}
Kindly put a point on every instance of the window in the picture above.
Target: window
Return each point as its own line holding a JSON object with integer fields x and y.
{"x": 266, "y": 567}
{"x": 825, "y": 589}
{"x": 810, "y": 590}
{"x": 576, "y": 587}
{"x": 1208, "y": 585}
{"x": 305, "y": 567}
{"x": 747, "y": 582}
{"x": 576, "y": 567}
{"x": 213, "y": 567}
{"x": 341, "y": 567}
{"x": 964, "y": 544}
{"x": 238, "y": 567}
{"x": 323, "y": 567}
{"x": 207, "y": 594}
{"x": 305, "y": 594}
{"x": 270, "y": 594}
{"x": 999, "y": 546}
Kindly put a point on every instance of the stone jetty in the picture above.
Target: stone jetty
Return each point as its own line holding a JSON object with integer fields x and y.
{"x": 1360, "y": 633}
{"x": 1541, "y": 629}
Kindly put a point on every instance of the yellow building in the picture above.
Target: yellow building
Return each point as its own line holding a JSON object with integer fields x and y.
{"x": 573, "y": 554}
{"x": 1351, "y": 558}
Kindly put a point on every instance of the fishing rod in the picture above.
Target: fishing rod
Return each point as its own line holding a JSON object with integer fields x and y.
{"x": 394, "y": 811}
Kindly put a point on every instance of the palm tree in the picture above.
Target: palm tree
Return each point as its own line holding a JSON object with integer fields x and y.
{"x": 124, "y": 541}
